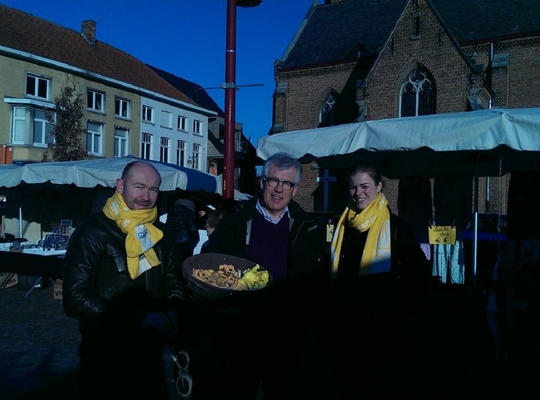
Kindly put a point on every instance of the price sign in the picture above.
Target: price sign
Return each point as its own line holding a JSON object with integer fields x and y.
{"x": 442, "y": 235}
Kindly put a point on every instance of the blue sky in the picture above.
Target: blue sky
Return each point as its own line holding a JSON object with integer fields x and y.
{"x": 188, "y": 38}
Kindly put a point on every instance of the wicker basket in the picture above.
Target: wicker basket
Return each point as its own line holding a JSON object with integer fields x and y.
{"x": 206, "y": 294}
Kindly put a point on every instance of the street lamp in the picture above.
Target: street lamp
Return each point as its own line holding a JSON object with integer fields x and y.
{"x": 230, "y": 94}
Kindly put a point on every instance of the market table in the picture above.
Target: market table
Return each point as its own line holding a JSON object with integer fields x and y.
{"x": 35, "y": 261}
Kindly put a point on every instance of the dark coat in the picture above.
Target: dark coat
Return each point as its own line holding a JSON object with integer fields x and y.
{"x": 95, "y": 274}
{"x": 367, "y": 316}
{"x": 118, "y": 349}
{"x": 403, "y": 287}
{"x": 307, "y": 274}
{"x": 275, "y": 324}
{"x": 183, "y": 226}
{"x": 306, "y": 242}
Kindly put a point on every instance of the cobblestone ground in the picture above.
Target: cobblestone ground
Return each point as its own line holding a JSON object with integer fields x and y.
{"x": 453, "y": 350}
{"x": 38, "y": 346}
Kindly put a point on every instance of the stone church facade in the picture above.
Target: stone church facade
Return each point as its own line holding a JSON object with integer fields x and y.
{"x": 362, "y": 60}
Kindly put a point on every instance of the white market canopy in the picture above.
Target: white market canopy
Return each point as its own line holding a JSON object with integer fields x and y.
{"x": 102, "y": 172}
{"x": 476, "y": 142}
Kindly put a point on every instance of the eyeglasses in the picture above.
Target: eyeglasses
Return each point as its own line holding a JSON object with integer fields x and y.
{"x": 273, "y": 182}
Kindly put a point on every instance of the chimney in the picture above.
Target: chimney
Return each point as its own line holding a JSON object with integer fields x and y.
{"x": 89, "y": 31}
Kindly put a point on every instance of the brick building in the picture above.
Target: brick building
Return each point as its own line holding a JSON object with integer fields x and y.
{"x": 361, "y": 60}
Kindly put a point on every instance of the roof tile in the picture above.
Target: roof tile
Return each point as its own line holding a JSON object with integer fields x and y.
{"x": 27, "y": 33}
{"x": 335, "y": 32}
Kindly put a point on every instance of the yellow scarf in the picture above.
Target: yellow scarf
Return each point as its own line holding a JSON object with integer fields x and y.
{"x": 141, "y": 237}
{"x": 376, "y": 218}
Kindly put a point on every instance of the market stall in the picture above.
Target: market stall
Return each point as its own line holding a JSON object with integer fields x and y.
{"x": 41, "y": 200}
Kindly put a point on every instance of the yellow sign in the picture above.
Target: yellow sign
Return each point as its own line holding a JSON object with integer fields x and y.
{"x": 442, "y": 235}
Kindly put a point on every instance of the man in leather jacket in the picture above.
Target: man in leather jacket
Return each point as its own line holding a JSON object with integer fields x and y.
{"x": 122, "y": 282}
{"x": 275, "y": 232}
{"x": 183, "y": 225}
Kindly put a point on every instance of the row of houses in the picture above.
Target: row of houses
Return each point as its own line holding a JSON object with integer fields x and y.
{"x": 129, "y": 107}
{"x": 363, "y": 60}
{"x": 349, "y": 61}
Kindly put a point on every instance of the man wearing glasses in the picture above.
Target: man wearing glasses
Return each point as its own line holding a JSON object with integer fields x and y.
{"x": 275, "y": 232}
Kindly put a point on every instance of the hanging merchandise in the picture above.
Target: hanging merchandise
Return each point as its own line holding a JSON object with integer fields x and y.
{"x": 452, "y": 199}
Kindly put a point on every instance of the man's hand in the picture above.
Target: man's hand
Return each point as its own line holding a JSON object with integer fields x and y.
{"x": 165, "y": 323}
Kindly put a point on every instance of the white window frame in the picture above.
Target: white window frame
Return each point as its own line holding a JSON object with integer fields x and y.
{"x": 94, "y": 138}
{"x": 197, "y": 127}
{"x": 181, "y": 153}
{"x": 122, "y": 108}
{"x": 36, "y": 84}
{"x": 95, "y": 101}
{"x": 20, "y": 125}
{"x": 147, "y": 114}
{"x": 42, "y": 128}
{"x": 181, "y": 123}
{"x": 146, "y": 146}
{"x": 28, "y": 129}
{"x": 196, "y": 156}
{"x": 121, "y": 141}
{"x": 164, "y": 149}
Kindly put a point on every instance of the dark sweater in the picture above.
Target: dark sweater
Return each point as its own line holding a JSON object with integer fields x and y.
{"x": 273, "y": 247}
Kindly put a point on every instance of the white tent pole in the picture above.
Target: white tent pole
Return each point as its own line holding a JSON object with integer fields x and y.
{"x": 475, "y": 229}
{"x": 2, "y": 216}
{"x": 20, "y": 223}
{"x": 475, "y": 247}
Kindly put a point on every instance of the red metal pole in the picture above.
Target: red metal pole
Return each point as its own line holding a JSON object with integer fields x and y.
{"x": 230, "y": 102}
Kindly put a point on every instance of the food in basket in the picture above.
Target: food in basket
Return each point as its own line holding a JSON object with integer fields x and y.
{"x": 255, "y": 278}
{"x": 227, "y": 277}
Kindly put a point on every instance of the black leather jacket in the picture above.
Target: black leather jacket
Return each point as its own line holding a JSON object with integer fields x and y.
{"x": 95, "y": 274}
{"x": 183, "y": 225}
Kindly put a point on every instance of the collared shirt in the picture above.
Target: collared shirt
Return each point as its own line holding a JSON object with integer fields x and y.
{"x": 267, "y": 216}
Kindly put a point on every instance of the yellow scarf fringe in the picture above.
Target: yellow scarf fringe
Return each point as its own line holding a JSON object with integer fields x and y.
{"x": 141, "y": 237}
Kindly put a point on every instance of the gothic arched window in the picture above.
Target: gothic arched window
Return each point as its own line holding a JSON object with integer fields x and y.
{"x": 417, "y": 95}
{"x": 327, "y": 113}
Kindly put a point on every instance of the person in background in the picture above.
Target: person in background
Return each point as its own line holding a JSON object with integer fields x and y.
{"x": 212, "y": 220}
{"x": 122, "y": 282}
{"x": 182, "y": 223}
{"x": 201, "y": 217}
{"x": 374, "y": 256}
{"x": 275, "y": 232}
